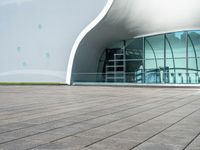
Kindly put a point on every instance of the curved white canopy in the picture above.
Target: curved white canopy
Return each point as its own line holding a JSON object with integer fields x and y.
{"x": 123, "y": 19}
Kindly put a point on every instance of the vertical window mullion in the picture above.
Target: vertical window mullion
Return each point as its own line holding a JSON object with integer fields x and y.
{"x": 165, "y": 75}
{"x": 144, "y": 69}
{"x": 187, "y": 57}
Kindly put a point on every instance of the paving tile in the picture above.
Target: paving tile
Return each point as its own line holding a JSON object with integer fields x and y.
{"x": 133, "y": 135}
{"x": 4, "y": 129}
{"x": 113, "y": 144}
{"x": 97, "y": 118}
{"x": 195, "y": 145}
{"x": 21, "y": 144}
{"x": 76, "y": 141}
{"x": 158, "y": 146}
{"x": 169, "y": 139}
{"x": 57, "y": 146}
{"x": 99, "y": 133}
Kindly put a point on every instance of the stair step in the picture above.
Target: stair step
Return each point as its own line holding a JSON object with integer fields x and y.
{"x": 115, "y": 66}
{"x": 115, "y": 72}
{"x": 116, "y": 60}
{"x": 119, "y": 54}
{"x": 115, "y": 78}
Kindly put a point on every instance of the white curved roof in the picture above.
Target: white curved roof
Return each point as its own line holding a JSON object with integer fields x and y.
{"x": 130, "y": 18}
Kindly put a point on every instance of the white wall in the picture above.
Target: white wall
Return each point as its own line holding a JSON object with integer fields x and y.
{"x": 36, "y": 37}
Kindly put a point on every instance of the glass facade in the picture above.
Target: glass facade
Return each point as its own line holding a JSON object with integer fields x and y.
{"x": 171, "y": 58}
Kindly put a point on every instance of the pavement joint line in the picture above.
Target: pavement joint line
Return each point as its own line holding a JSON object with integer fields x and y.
{"x": 75, "y": 115}
{"x": 14, "y": 106}
{"x": 70, "y": 104}
{"x": 116, "y": 121}
{"x": 191, "y": 141}
{"x": 74, "y": 110}
{"x": 49, "y": 103}
{"x": 140, "y": 123}
{"x": 66, "y": 111}
{"x": 88, "y": 108}
{"x": 35, "y": 103}
{"x": 46, "y": 106}
{"x": 88, "y": 113}
{"x": 80, "y": 121}
{"x": 165, "y": 129}
{"x": 85, "y": 121}
{"x": 42, "y": 108}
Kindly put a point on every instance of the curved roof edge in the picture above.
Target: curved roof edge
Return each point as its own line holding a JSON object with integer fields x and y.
{"x": 82, "y": 35}
{"x": 126, "y": 19}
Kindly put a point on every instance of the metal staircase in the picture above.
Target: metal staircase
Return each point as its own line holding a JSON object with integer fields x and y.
{"x": 116, "y": 67}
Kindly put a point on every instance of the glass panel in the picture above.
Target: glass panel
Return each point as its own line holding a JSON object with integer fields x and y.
{"x": 134, "y": 61}
{"x": 134, "y": 71}
{"x": 178, "y": 44}
{"x": 154, "y": 59}
{"x": 170, "y": 63}
{"x": 191, "y": 56}
{"x": 194, "y": 56}
{"x": 179, "y": 68}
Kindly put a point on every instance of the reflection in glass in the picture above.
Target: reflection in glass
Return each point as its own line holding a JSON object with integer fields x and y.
{"x": 134, "y": 61}
{"x": 167, "y": 58}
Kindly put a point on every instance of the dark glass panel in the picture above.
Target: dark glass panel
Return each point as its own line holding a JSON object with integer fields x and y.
{"x": 134, "y": 60}
{"x": 154, "y": 59}
{"x": 178, "y": 44}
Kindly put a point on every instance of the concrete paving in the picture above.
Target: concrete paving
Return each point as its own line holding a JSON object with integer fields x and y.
{"x": 99, "y": 118}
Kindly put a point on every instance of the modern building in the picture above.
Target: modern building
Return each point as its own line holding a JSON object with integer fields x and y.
{"x": 102, "y": 41}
